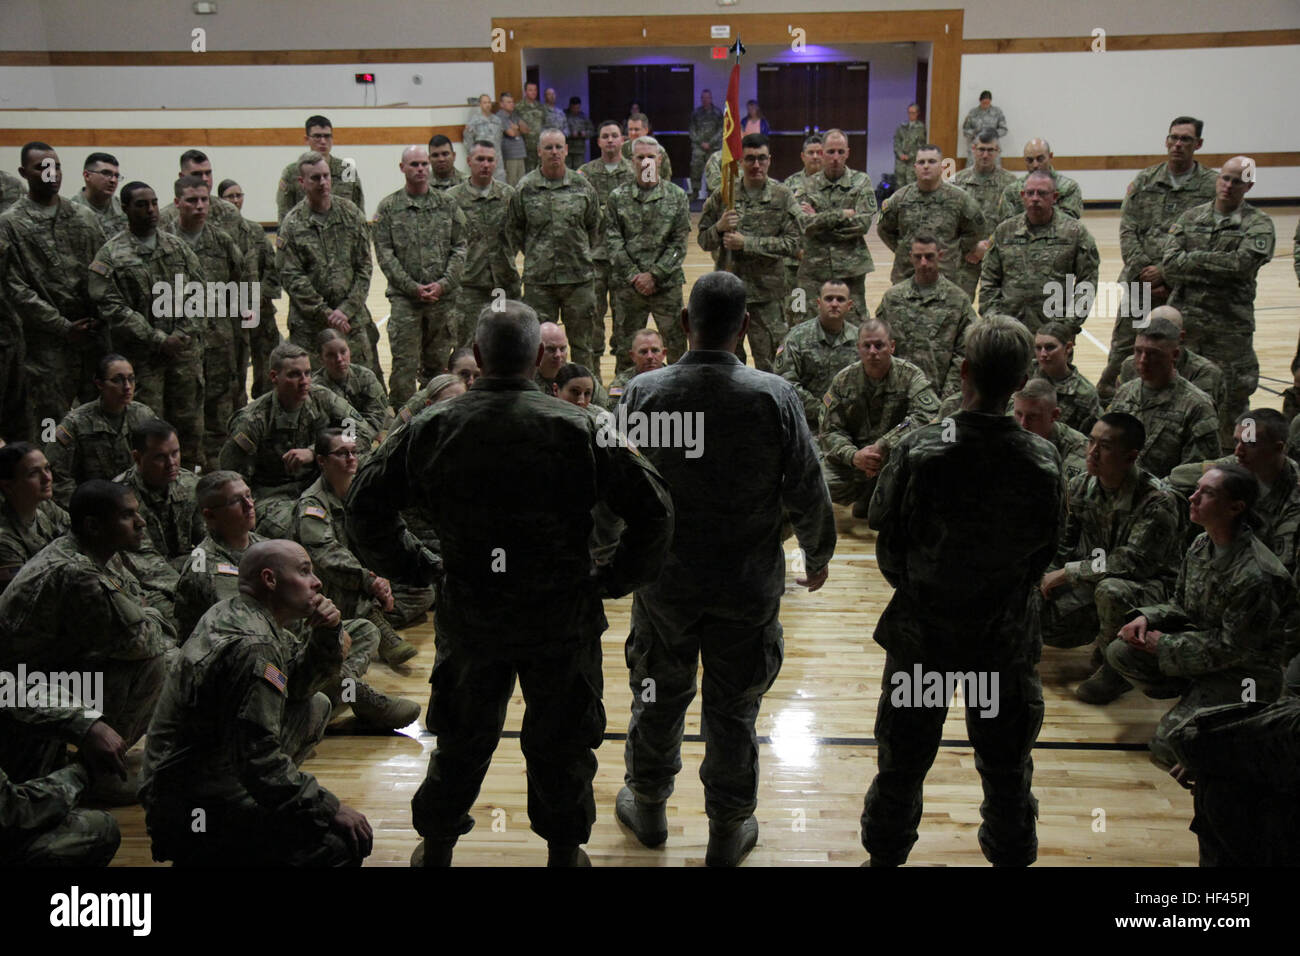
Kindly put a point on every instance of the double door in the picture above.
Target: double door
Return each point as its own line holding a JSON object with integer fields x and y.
{"x": 665, "y": 93}
{"x": 802, "y": 98}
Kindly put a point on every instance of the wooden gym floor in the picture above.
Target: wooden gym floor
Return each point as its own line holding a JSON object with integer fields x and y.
{"x": 1101, "y": 802}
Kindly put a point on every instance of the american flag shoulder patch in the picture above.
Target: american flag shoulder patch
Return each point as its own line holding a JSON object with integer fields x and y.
{"x": 63, "y": 436}
{"x": 276, "y": 678}
{"x": 99, "y": 268}
{"x": 227, "y": 568}
{"x": 314, "y": 511}
{"x": 244, "y": 442}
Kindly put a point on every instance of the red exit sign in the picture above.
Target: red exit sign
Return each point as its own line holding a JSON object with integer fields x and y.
{"x": 719, "y": 52}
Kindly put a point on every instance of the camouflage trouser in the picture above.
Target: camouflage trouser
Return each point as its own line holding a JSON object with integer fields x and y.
{"x": 699, "y": 158}
{"x": 1235, "y": 354}
{"x": 52, "y": 371}
{"x": 767, "y": 331}
{"x": 360, "y": 340}
{"x": 1085, "y": 612}
{"x": 564, "y": 723}
{"x": 220, "y": 376}
{"x": 175, "y": 391}
{"x": 574, "y": 306}
{"x": 904, "y": 173}
{"x": 632, "y": 312}
{"x": 410, "y": 603}
{"x": 968, "y": 277}
{"x": 15, "y": 418}
{"x": 365, "y": 642}
{"x": 812, "y": 288}
{"x": 1142, "y": 670}
{"x": 473, "y": 299}
{"x": 847, "y": 484}
{"x": 82, "y": 838}
{"x": 531, "y": 161}
{"x": 303, "y": 725}
{"x": 420, "y": 336}
{"x": 131, "y": 689}
{"x": 742, "y": 656}
{"x": 606, "y": 302}
{"x": 908, "y": 742}
{"x": 261, "y": 339}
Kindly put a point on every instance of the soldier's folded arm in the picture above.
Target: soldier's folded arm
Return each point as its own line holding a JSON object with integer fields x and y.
{"x": 1249, "y": 621}
{"x": 389, "y": 263}
{"x": 1240, "y": 263}
{"x": 821, "y": 222}
{"x": 804, "y": 494}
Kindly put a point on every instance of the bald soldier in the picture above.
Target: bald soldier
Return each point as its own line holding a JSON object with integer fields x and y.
{"x": 1197, "y": 369}
{"x": 237, "y": 715}
{"x": 929, "y": 206}
{"x": 1212, "y": 255}
{"x": 1038, "y": 156}
{"x": 1036, "y": 410}
{"x": 420, "y": 242}
{"x": 343, "y": 172}
{"x": 1040, "y": 261}
{"x": 1156, "y": 197}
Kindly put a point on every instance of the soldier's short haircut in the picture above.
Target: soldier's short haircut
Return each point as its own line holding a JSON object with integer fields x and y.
{"x": 571, "y": 370}
{"x": 1160, "y": 330}
{"x": 224, "y": 185}
{"x": 151, "y": 428}
{"x": 814, "y": 140}
{"x": 998, "y": 350}
{"x": 1037, "y": 390}
{"x": 876, "y": 322}
{"x": 985, "y": 95}
{"x": 640, "y": 118}
{"x": 987, "y": 135}
{"x": 716, "y": 308}
{"x": 193, "y": 157}
{"x": 325, "y": 336}
{"x": 1270, "y": 425}
{"x": 209, "y": 487}
{"x": 11, "y": 455}
{"x": 834, "y": 131}
{"x": 1057, "y": 330}
{"x": 645, "y": 141}
{"x": 508, "y": 340}
{"x": 552, "y": 132}
{"x": 1039, "y": 174}
{"x": 437, "y": 140}
{"x": 33, "y": 147}
{"x": 310, "y": 158}
{"x": 647, "y": 331}
{"x": 101, "y": 368}
{"x": 127, "y": 191}
{"x": 504, "y": 94}
{"x": 1185, "y": 120}
{"x": 609, "y": 122}
{"x": 325, "y": 440}
{"x": 1132, "y": 433}
{"x": 822, "y": 290}
{"x": 459, "y": 353}
{"x": 1240, "y": 484}
{"x": 94, "y": 158}
{"x": 483, "y": 144}
{"x": 924, "y": 238}
{"x": 930, "y": 147}
{"x": 96, "y": 498}
{"x": 284, "y": 352}
{"x": 754, "y": 141}
{"x": 913, "y": 106}
{"x": 317, "y": 120}
{"x": 188, "y": 182}
{"x": 276, "y": 554}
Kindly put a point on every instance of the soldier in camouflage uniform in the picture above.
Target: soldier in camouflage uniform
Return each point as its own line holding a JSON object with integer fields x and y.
{"x": 929, "y": 316}
{"x": 939, "y": 511}
{"x": 50, "y": 242}
{"x": 713, "y": 172}
{"x": 706, "y": 136}
{"x": 1036, "y": 409}
{"x": 554, "y": 218}
{"x": 607, "y": 172}
{"x": 1198, "y": 370}
{"x": 173, "y": 525}
{"x": 75, "y": 607}
{"x": 41, "y": 823}
{"x": 647, "y": 354}
{"x": 1179, "y": 418}
{"x": 343, "y": 174}
{"x": 1053, "y": 359}
{"x": 530, "y": 113}
{"x": 985, "y": 180}
{"x": 638, "y": 125}
{"x": 420, "y": 242}
{"x": 165, "y": 348}
{"x": 323, "y": 257}
{"x": 15, "y": 421}
{"x": 319, "y": 527}
{"x": 443, "y": 174}
{"x": 817, "y": 350}
{"x": 258, "y": 341}
{"x": 271, "y": 439}
{"x": 1212, "y": 255}
{"x": 453, "y": 464}
{"x": 983, "y": 117}
{"x": 489, "y": 264}
{"x": 937, "y": 209}
{"x": 1222, "y": 631}
{"x": 94, "y": 440}
{"x": 646, "y": 227}
{"x": 98, "y": 195}
{"x": 1260, "y": 436}
{"x": 1157, "y": 196}
{"x": 753, "y": 238}
{"x": 869, "y": 407}
{"x": 1038, "y": 156}
{"x": 837, "y": 206}
{"x": 1038, "y": 258}
{"x": 11, "y": 190}
{"x": 211, "y": 572}
{"x": 29, "y": 518}
{"x": 237, "y": 714}
{"x": 908, "y": 139}
{"x": 355, "y": 384}
{"x": 1121, "y": 549}
{"x": 222, "y": 214}
{"x": 797, "y": 183}
{"x": 577, "y": 130}
{"x": 222, "y": 262}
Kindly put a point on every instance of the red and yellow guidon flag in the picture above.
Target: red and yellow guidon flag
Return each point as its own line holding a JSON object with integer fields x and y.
{"x": 731, "y": 119}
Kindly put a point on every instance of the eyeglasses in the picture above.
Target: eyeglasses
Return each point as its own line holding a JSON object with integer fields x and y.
{"x": 1185, "y": 140}
{"x": 344, "y": 453}
{"x": 121, "y": 381}
{"x": 107, "y": 173}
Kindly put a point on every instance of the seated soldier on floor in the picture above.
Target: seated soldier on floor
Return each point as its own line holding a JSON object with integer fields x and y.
{"x": 1121, "y": 549}
{"x": 271, "y": 439}
{"x": 1076, "y": 396}
{"x": 29, "y": 518}
{"x": 647, "y": 353}
{"x": 1197, "y": 369}
{"x": 353, "y": 383}
{"x": 1036, "y": 410}
{"x": 817, "y": 349}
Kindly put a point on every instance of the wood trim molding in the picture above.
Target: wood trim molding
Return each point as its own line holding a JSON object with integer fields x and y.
{"x": 1131, "y": 42}
{"x": 242, "y": 57}
{"x": 288, "y": 136}
{"x": 1211, "y": 160}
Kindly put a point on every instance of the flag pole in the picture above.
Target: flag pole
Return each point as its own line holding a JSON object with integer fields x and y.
{"x": 729, "y": 164}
